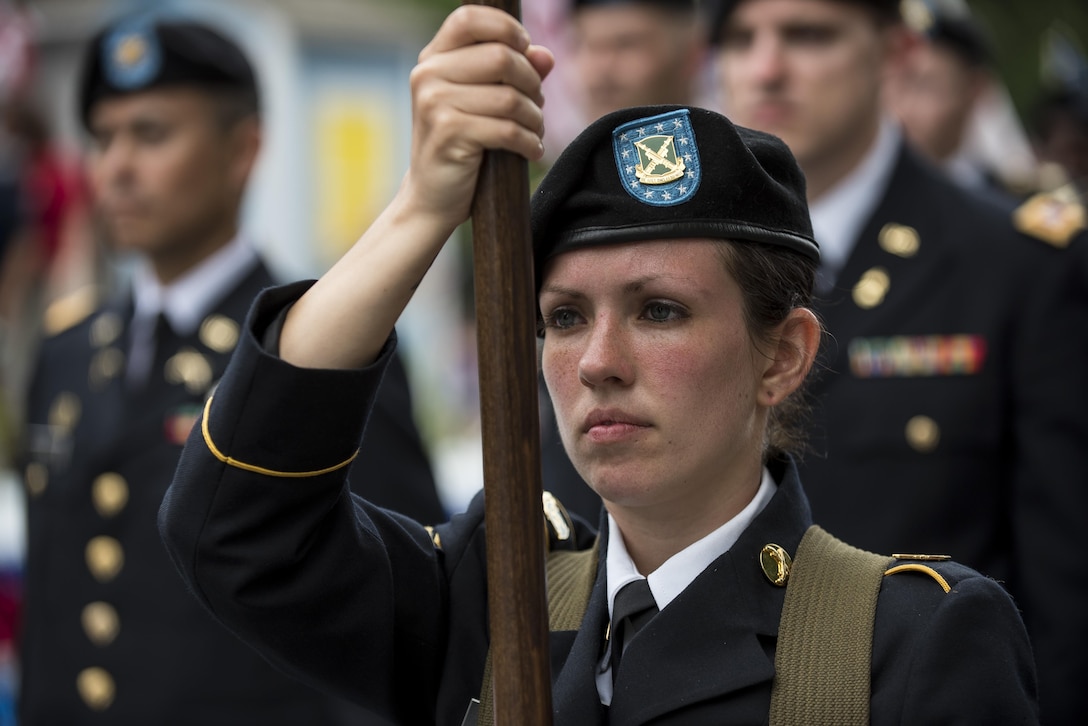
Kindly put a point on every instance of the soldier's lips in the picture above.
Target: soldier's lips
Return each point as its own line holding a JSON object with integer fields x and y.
{"x": 605, "y": 426}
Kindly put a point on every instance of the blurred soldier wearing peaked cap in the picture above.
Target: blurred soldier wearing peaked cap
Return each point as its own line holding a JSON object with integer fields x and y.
{"x": 111, "y": 634}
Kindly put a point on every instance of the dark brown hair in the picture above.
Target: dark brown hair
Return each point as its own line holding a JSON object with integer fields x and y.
{"x": 774, "y": 280}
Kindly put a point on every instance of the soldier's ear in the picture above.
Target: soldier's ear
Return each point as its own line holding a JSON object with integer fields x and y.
{"x": 797, "y": 342}
{"x": 245, "y": 145}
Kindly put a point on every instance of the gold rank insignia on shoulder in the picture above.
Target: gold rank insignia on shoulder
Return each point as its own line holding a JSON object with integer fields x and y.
{"x": 910, "y": 356}
{"x": 923, "y": 558}
{"x": 1054, "y": 217}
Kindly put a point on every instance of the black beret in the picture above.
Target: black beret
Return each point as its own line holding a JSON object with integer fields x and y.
{"x": 670, "y": 172}
{"x": 718, "y": 11}
{"x": 142, "y": 53}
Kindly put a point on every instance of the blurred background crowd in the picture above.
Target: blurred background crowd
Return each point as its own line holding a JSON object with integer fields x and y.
{"x": 1001, "y": 102}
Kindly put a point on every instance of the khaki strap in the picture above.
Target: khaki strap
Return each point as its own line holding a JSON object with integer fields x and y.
{"x": 825, "y": 636}
{"x": 570, "y": 577}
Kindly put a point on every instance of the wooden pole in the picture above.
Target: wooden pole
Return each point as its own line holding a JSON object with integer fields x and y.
{"x": 506, "y": 343}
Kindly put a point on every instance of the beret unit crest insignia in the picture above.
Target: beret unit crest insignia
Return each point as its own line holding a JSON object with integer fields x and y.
{"x": 658, "y": 159}
{"x": 131, "y": 55}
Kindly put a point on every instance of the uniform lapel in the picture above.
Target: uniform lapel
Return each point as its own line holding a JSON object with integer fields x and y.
{"x": 164, "y": 410}
{"x": 716, "y": 640}
{"x": 708, "y": 643}
{"x": 575, "y": 699}
{"x": 908, "y": 276}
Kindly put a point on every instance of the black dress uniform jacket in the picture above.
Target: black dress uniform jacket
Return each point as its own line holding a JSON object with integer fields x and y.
{"x": 369, "y": 604}
{"x": 982, "y": 455}
{"x": 111, "y": 635}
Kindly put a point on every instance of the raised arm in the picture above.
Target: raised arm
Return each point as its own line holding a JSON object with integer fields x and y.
{"x": 476, "y": 87}
{"x": 259, "y": 520}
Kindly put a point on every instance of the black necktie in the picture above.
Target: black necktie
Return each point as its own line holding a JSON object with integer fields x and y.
{"x": 633, "y": 608}
{"x": 165, "y": 344}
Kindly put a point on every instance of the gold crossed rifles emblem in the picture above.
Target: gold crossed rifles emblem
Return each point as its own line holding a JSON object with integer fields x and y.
{"x": 660, "y": 157}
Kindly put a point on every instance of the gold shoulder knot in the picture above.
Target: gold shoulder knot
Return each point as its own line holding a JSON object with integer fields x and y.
{"x": 916, "y": 566}
{"x": 1054, "y": 217}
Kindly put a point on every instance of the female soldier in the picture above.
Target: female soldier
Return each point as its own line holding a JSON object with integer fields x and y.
{"x": 676, "y": 258}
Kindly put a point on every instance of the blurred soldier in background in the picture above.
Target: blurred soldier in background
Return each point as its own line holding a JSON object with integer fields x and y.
{"x": 635, "y": 52}
{"x": 110, "y": 635}
{"x": 951, "y": 416}
{"x": 1060, "y": 118}
{"x": 939, "y": 91}
{"x": 1061, "y": 134}
{"x": 625, "y": 53}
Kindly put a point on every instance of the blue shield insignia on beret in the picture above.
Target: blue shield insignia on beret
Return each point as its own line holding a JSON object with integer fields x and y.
{"x": 131, "y": 56}
{"x": 658, "y": 159}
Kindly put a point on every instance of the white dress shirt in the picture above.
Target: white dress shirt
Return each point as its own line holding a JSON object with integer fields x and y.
{"x": 185, "y": 302}
{"x": 839, "y": 215}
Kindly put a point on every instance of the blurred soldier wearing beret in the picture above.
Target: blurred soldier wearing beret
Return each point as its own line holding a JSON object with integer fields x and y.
{"x": 111, "y": 635}
{"x": 950, "y": 417}
{"x": 675, "y": 261}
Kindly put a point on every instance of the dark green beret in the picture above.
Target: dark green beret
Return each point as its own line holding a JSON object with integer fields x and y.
{"x": 718, "y": 11}
{"x": 670, "y": 172}
{"x": 138, "y": 54}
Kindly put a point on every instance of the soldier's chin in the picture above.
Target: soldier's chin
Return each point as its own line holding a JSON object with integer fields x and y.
{"x": 127, "y": 241}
